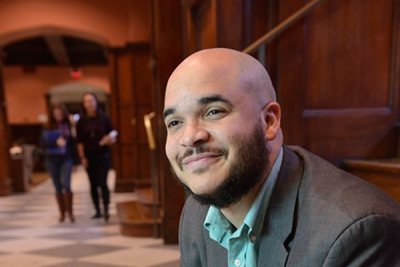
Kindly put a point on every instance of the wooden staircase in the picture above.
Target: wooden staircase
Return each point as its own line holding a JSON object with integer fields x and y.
{"x": 140, "y": 218}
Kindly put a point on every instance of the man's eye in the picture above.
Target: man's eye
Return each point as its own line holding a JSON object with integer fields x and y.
{"x": 172, "y": 124}
{"x": 215, "y": 112}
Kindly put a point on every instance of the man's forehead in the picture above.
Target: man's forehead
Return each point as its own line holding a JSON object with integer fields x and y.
{"x": 195, "y": 91}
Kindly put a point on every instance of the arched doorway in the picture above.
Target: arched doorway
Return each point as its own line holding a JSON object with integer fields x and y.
{"x": 71, "y": 94}
{"x": 33, "y": 61}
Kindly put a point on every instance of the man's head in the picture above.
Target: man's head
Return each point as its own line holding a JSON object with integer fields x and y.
{"x": 223, "y": 124}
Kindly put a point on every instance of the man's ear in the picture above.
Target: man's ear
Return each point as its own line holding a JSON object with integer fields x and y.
{"x": 272, "y": 120}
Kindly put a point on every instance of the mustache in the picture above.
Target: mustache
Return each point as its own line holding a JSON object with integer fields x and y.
{"x": 199, "y": 150}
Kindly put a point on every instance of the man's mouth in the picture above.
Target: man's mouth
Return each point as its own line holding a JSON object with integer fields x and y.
{"x": 198, "y": 157}
{"x": 200, "y": 161}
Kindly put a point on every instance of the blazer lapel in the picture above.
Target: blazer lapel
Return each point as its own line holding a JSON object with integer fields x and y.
{"x": 279, "y": 223}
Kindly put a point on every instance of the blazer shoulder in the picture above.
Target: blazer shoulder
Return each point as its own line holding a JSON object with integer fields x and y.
{"x": 331, "y": 188}
{"x": 339, "y": 208}
{"x": 370, "y": 241}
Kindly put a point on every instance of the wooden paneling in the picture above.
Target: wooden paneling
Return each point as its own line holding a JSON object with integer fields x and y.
{"x": 144, "y": 165}
{"x": 350, "y": 133}
{"x": 290, "y": 74}
{"x": 212, "y": 23}
{"x": 132, "y": 97}
{"x": 259, "y": 18}
{"x": 127, "y": 124}
{"x": 200, "y": 25}
{"x": 230, "y": 30}
{"x": 353, "y": 38}
{"x": 143, "y": 97}
{"x": 336, "y": 82}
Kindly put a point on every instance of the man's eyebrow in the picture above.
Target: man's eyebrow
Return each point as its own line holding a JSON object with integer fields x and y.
{"x": 168, "y": 111}
{"x": 213, "y": 98}
{"x": 202, "y": 101}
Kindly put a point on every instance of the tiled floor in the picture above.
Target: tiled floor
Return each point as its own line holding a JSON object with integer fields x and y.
{"x": 31, "y": 236}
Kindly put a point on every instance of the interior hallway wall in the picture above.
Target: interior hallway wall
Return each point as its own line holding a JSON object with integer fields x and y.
{"x": 117, "y": 22}
{"x": 25, "y": 91}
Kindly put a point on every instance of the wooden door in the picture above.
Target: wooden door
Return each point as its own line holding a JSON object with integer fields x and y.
{"x": 131, "y": 99}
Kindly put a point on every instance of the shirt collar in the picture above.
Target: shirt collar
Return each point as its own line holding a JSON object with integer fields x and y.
{"x": 256, "y": 214}
{"x": 216, "y": 223}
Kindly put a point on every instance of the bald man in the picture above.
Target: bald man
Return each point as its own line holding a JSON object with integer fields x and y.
{"x": 254, "y": 201}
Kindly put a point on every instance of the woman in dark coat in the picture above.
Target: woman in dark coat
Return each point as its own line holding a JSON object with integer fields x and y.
{"x": 95, "y": 134}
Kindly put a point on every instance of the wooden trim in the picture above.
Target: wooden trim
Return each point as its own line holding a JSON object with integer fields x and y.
{"x": 190, "y": 3}
{"x": 389, "y": 165}
{"x": 394, "y": 79}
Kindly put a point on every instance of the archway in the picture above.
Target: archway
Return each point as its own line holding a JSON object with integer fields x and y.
{"x": 25, "y": 82}
{"x": 71, "y": 94}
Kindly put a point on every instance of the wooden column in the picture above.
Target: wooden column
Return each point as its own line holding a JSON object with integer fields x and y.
{"x": 179, "y": 29}
{"x": 5, "y": 181}
{"x": 167, "y": 54}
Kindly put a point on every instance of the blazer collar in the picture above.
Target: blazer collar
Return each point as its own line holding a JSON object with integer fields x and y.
{"x": 279, "y": 223}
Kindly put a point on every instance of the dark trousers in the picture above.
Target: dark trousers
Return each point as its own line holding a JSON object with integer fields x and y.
{"x": 97, "y": 171}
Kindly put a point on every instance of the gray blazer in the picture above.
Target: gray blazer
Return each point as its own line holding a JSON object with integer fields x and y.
{"x": 319, "y": 215}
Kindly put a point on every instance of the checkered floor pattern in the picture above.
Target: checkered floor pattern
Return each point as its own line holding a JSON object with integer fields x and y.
{"x": 30, "y": 234}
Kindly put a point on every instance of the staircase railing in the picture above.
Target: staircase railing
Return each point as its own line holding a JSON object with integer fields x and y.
{"x": 281, "y": 27}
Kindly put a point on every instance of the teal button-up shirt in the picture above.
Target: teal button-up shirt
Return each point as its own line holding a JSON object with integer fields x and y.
{"x": 242, "y": 244}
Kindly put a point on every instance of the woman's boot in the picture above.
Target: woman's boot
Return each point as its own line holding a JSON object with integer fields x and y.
{"x": 61, "y": 206}
{"x": 69, "y": 206}
{"x": 106, "y": 214}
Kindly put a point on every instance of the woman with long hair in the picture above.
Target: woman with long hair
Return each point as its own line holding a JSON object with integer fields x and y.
{"x": 95, "y": 135}
{"x": 58, "y": 144}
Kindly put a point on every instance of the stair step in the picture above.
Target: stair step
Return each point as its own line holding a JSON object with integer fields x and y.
{"x": 145, "y": 198}
{"x": 133, "y": 221}
{"x": 384, "y": 173}
{"x": 145, "y": 195}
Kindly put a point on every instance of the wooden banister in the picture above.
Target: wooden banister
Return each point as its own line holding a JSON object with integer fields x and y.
{"x": 269, "y": 36}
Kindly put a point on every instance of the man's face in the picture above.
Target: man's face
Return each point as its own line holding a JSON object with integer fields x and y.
{"x": 215, "y": 141}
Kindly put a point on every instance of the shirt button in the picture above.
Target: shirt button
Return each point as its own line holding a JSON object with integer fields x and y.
{"x": 237, "y": 262}
{"x": 253, "y": 238}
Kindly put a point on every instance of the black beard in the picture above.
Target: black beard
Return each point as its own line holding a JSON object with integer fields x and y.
{"x": 246, "y": 172}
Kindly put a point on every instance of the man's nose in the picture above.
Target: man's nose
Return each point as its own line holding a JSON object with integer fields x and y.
{"x": 193, "y": 135}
